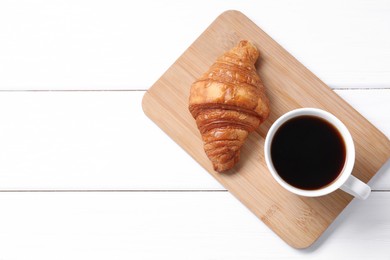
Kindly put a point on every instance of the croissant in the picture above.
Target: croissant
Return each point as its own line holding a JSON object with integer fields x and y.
{"x": 228, "y": 102}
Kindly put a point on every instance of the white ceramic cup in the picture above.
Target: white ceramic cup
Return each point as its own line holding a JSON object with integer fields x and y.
{"x": 344, "y": 181}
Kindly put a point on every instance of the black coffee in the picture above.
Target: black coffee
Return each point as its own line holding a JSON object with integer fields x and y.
{"x": 308, "y": 152}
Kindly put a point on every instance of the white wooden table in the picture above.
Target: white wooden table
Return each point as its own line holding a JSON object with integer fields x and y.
{"x": 84, "y": 174}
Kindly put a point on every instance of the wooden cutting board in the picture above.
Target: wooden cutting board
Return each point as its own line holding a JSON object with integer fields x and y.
{"x": 297, "y": 220}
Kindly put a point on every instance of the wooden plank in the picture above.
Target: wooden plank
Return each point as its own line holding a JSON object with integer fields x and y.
{"x": 297, "y": 220}
{"x": 122, "y": 45}
{"x": 103, "y": 140}
{"x": 179, "y": 225}
{"x": 88, "y": 140}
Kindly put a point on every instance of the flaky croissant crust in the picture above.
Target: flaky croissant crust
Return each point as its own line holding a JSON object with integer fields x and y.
{"x": 228, "y": 102}
{"x": 232, "y": 80}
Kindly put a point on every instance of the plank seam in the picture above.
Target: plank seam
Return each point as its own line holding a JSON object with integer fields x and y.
{"x": 135, "y": 191}
{"x": 144, "y": 90}
{"x": 129, "y": 191}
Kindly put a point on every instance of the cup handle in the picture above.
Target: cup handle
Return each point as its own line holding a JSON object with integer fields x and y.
{"x": 356, "y": 188}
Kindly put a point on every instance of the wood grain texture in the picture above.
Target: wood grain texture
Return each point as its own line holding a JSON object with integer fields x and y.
{"x": 297, "y": 220}
{"x": 95, "y": 144}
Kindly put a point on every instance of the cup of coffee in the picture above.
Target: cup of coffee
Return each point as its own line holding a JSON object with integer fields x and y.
{"x": 311, "y": 153}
